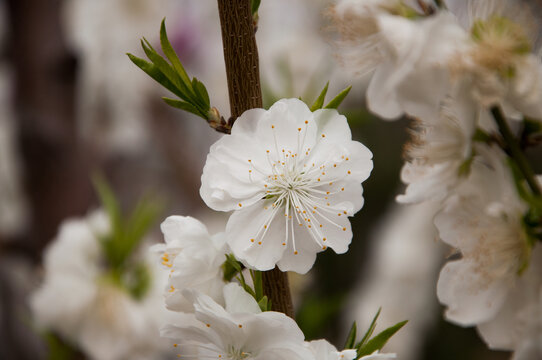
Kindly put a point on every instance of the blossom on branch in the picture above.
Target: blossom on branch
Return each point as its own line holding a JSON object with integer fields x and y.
{"x": 483, "y": 220}
{"x": 292, "y": 178}
{"x": 193, "y": 259}
{"x": 238, "y": 331}
{"x": 88, "y": 306}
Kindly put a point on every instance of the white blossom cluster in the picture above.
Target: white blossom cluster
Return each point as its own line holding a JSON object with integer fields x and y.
{"x": 292, "y": 177}
{"x": 80, "y": 302}
{"x": 447, "y": 67}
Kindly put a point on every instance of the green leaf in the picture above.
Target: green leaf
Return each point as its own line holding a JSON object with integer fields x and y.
{"x": 378, "y": 342}
{"x": 153, "y": 71}
{"x": 183, "y": 106}
{"x": 57, "y": 349}
{"x": 334, "y": 104}
{"x": 184, "y": 92}
{"x": 140, "y": 281}
{"x": 138, "y": 224}
{"x": 162, "y": 65}
{"x": 369, "y": 331}
{"x": 320, "y": 100}
{"x": 230, "y": 268}
{"x": 258, "y": 283}
{"x": 112, "y": 208}
{"x": 350, "y": 342}
{"x": 201, "y": 92}
{"x": 172, "y": 55}
{"x": 264, "y": 304}
{"x": 254, "y": 5}
{"x": 464, "y": 168}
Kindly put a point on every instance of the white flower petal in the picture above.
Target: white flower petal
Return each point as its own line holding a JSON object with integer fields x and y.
{"x": 238, "y": 300}
{"x": 470, "y": 298}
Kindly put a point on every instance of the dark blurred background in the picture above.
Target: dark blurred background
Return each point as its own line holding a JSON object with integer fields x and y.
{"x": 72, "y": 105}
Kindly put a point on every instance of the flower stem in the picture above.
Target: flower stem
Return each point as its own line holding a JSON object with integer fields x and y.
{"x": 515, "y": 150}
{"x": 242, "y": 70}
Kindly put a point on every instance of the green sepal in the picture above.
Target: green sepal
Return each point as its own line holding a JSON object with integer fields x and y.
{"x": 464, "y": 168}
{"x": 334, "y": 104}
{"x": 230, "y": 267}
{"x": 264, "y": 304}
{"x": 378, "y": 342}
{"x": 319, "y": 102}
{"x": 350, "y": 342}
{"x": 369, "y": 331}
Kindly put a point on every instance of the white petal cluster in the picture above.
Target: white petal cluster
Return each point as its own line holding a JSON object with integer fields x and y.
{"x": 446, "y": 68}
{"x": 85, "y": 308}
{"x": 193, "y": 259}
{"x": 483, "y": 220}
{"x": 440, "y": 151}
{"x": 292, "y": 178}
{"x": 238, "y": 331}
{"x": 418, "y": 59}
{"x": 518, "y": 324}
{"x": 403, "y": 48}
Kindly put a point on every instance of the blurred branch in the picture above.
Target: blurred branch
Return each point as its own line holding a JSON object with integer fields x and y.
{"x": 55, "y": 178}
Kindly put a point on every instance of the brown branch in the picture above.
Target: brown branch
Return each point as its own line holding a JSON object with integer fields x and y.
{"x": 242, "y": 69}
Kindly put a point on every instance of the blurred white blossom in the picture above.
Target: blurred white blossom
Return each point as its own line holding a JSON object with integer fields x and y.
{"x": 518, "y": 325}
{"x": 293, "y": 177}
{"x": 82, "y": 304}
{"x": 403, "y": 48}
{"x": 483, "y": 220}
{"x": 400, "y": 277}
{"x": 440, "y": 151}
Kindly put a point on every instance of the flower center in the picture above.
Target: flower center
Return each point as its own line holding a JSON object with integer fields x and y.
{"x": 499, "y": 41}
{"x": 237, "y": 354}
{"x": 303, "y": 189}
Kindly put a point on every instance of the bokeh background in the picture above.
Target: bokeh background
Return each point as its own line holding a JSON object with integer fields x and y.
{"x": 73, "y": 105}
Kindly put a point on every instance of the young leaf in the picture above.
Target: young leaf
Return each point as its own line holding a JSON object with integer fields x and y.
{"x": 369, "y": 331}
{"x": 264, "y": 304}
{"x": 162, "y": 65}
{"x": 254, "y": 5}
{"x": 153, "y": 71}
{"x": 319, "y": 102}
{"x": 172, "y": 55}
{"x": 351, "y": 338}
{"x": 378, "y": 342}
{"x": 109, "y": 202}
{"x": 184, "y": 91}
{"x": 183, "y": 106}
{"x": 258, "y": 283}
{"x": 201, "y": 92}
{"x": 333, "y": 104}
